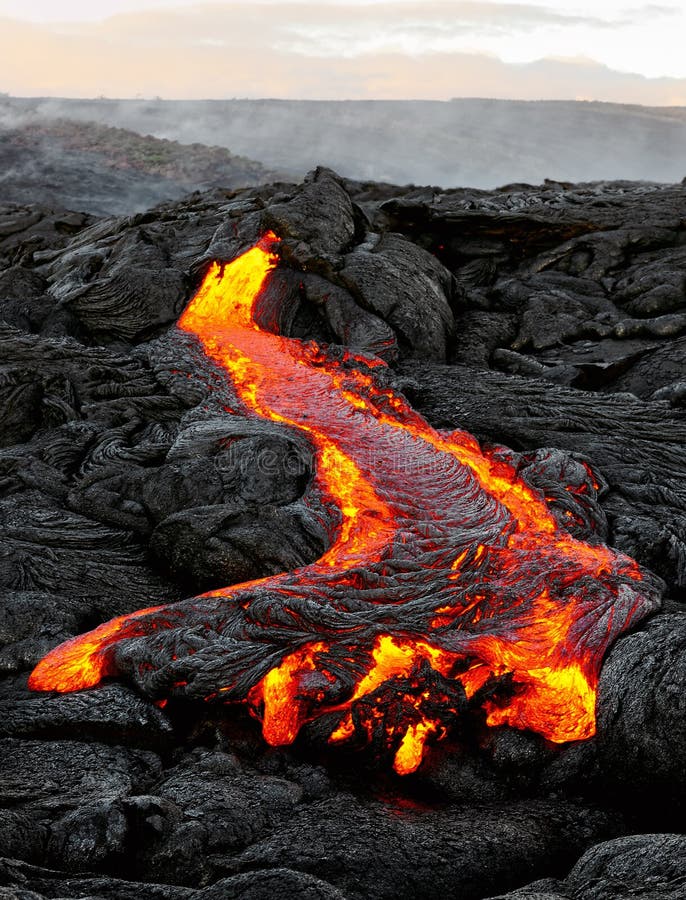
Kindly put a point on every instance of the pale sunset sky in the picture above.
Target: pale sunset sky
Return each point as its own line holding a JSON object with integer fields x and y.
{"x": 614, "y": 50}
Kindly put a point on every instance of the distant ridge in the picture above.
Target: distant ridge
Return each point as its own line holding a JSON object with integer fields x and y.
{"x": 105, "y": 170}
{"x": 464, "y": 142}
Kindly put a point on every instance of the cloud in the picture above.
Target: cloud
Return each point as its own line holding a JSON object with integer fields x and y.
{"x": 320, "y": 29}
{"x": 304, "y": 50}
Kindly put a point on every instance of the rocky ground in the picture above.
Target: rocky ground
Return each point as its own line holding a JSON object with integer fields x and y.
{"x": 108, "y": 171}
{"x": 534, "y": 317}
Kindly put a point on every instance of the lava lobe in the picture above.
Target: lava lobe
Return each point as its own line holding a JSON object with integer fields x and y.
{"x": 449, "y": 582}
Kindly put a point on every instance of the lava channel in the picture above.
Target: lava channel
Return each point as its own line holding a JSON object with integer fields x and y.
{"x": 449, "y": 583}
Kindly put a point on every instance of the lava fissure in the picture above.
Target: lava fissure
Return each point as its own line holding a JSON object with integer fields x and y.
{"x": 446, "y": 571}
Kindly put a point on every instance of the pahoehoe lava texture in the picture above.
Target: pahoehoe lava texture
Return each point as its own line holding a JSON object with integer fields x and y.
{"x": 446, "y": 572}
{"x": 524, "y": 317}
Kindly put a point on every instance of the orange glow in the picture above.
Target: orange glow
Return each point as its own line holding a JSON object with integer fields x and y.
{"x": 84, "y": 661}
{"x": 222, "y": 314}
{"x": 284, "y": 711}
{"x": 559, "y": 703}
{"x": 409, "y": 754}
{"x": 392, "y": 660}
{"x": 496, "y": 587}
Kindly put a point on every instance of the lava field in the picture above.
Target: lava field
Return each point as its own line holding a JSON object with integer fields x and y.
{"x": 343, "y": 545}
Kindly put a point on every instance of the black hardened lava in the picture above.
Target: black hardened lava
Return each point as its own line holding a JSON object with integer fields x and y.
{"x": 138, "y": 467}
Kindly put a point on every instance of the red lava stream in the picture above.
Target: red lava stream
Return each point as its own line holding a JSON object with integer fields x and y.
{"x": 445, "y": 568}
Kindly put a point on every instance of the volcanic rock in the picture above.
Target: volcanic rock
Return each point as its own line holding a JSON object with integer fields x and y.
{"x": 108, "y": 171}
{"x": 546, "y": 321}
{"x": 645, "y": 866}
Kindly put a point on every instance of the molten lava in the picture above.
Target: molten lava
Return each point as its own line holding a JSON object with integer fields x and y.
{"x": 449, "y": 583}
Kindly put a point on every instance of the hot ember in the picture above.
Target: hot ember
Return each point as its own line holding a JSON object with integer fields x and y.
{"x": 449, "y": 583}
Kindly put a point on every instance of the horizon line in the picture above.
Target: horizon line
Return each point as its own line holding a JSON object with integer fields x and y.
{"x": 104, "y": 98}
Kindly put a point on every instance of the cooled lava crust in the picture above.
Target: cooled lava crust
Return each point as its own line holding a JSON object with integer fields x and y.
{"x": 450, "y": 583}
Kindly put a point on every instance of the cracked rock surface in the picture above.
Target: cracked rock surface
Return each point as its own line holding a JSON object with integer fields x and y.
{"x": 551, "y": 317}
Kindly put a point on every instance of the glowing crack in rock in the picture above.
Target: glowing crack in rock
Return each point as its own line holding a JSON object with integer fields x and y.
{"x": 448, "y": 584}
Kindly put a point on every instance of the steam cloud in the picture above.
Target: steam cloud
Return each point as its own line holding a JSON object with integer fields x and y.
{"x": 475, "y": 143}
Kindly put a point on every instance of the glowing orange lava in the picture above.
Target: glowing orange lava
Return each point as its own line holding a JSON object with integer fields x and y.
{"x": 446, "y": 572}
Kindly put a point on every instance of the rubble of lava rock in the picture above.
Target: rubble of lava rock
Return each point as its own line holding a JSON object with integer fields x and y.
{"x": 539, "y": 329}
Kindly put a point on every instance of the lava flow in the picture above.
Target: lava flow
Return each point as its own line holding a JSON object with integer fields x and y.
{"x": 450, "y": 583}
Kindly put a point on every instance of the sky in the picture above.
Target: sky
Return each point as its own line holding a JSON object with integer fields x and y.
{"x": 614, "y": 50}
